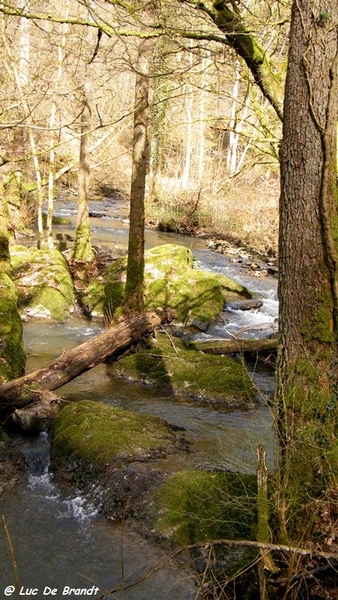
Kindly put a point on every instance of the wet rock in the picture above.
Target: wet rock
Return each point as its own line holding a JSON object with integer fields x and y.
{"x": 96, "y": 215}
{"x": 90, "y": 437}
{"x": 43, "y": 282}
{"x": 272, "y": 269}
{"x": 245, "y": 305}
{"x": 126, "y": 492}
{"x": 262, "y": 265}
{"x": 12, "y": 354}
{"x": 169, "y": 364}
{"x": 170, "y": 280}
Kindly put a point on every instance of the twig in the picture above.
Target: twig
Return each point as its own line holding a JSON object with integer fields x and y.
{"x": 11, "y": 549}
{"x": 170, "y": 339}
{"x": 224, "y": 542}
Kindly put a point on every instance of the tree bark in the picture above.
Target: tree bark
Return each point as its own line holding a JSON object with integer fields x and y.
{"x": 71, "y": 363}
{"x": 5, "y": 258}
{"x": 247, "y": 46}
{"x": 134, "y": 300}
{"x": 82, "y": 245}
{"x": 307, "y": 349}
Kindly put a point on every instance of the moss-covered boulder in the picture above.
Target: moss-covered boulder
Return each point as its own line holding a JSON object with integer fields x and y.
{"x": 197, "y": 506}
{"x": 12, "y": 354}
{"x": 92, "y": 437}
{"x": 170, "y": 280}
{"x": 43, "y": 282}
{"x": 170, "y": 364}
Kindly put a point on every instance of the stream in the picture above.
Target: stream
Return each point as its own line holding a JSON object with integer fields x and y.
{"x": 62, "y": 542}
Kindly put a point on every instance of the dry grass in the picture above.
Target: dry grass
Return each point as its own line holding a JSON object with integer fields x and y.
{"x": 244, "y": 211}
{"x": 247, "y": 212}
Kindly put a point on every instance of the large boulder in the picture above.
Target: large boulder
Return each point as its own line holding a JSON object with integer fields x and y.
{"x": 12, "y": 354}
{"x": 102, "y": 450}
{"x": 43, "y": 282}
{"x": 91, "y": 437}
{"x": 171, "y": 280}
{"x": 197, "y": 506}
{"x": 170, "y": 364}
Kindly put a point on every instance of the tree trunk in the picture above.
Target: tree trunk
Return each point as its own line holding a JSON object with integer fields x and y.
{"x": 82, "y": 245}
{"x": 160, "y": 92}
{"x": 52, "y": 134}
{"x": 188, "y": 134}
{"x": 236, "y": 346}
{"x": 308, "y": 359}
{"x": 71, "y": 363}
{"x": 5, "y": 259}
{"x": 134, "y": 300}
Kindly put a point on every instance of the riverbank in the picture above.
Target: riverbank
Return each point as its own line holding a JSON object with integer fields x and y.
{"x": 242, "y": 215}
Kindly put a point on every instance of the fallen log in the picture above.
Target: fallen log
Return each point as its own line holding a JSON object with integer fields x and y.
{"x": 234, "y": 345}
{"x": 37, "y": 416}
{"x": 71, "y": 363}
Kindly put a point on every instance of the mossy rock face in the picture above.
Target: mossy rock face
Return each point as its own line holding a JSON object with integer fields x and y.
{"x": 43, "y": 282}
{"x": 12, "y": 354}
{"x": 198, "y": 297}
{"x": 197, "y": 506}
{"x": 170, "y": 364}
{"x": 5, "y": 259}
{"x": 93, "y": 437}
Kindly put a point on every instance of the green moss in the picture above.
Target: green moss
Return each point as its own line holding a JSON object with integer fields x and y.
{"x": 82, "y": 245}
{"x": 187, "y": 372}
{"x": 197, "y": 506}
{"x": 317, "y": 323}
{"x": 96, "y": 434}
{"x": 43, "y": 282}
{"x": 170, "y": 280}
{"x": 56, "y": 220}
{"x": 5, "y": 260}
{"x": 232, "y": 290}
{"x": 12, "y": 354}
{"x": 310, "y": 463}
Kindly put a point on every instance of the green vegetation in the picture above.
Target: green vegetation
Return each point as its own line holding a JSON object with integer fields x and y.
{"x": 95, "y": 435}
{"x": 82, "y": 245}
{"x": 170, "y": 280}
{"x": 12, "y": 354}
{"x": 171, "y": 365}
{"x": 43, "y": 282}
{"x": 5, "y": 259}
{"x": 197, "y": 506}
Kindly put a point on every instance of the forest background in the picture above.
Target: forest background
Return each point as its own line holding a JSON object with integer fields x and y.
{"x": 212, "y": 156}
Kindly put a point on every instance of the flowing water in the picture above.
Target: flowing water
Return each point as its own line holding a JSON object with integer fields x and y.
{"x": 60, "y": 541}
